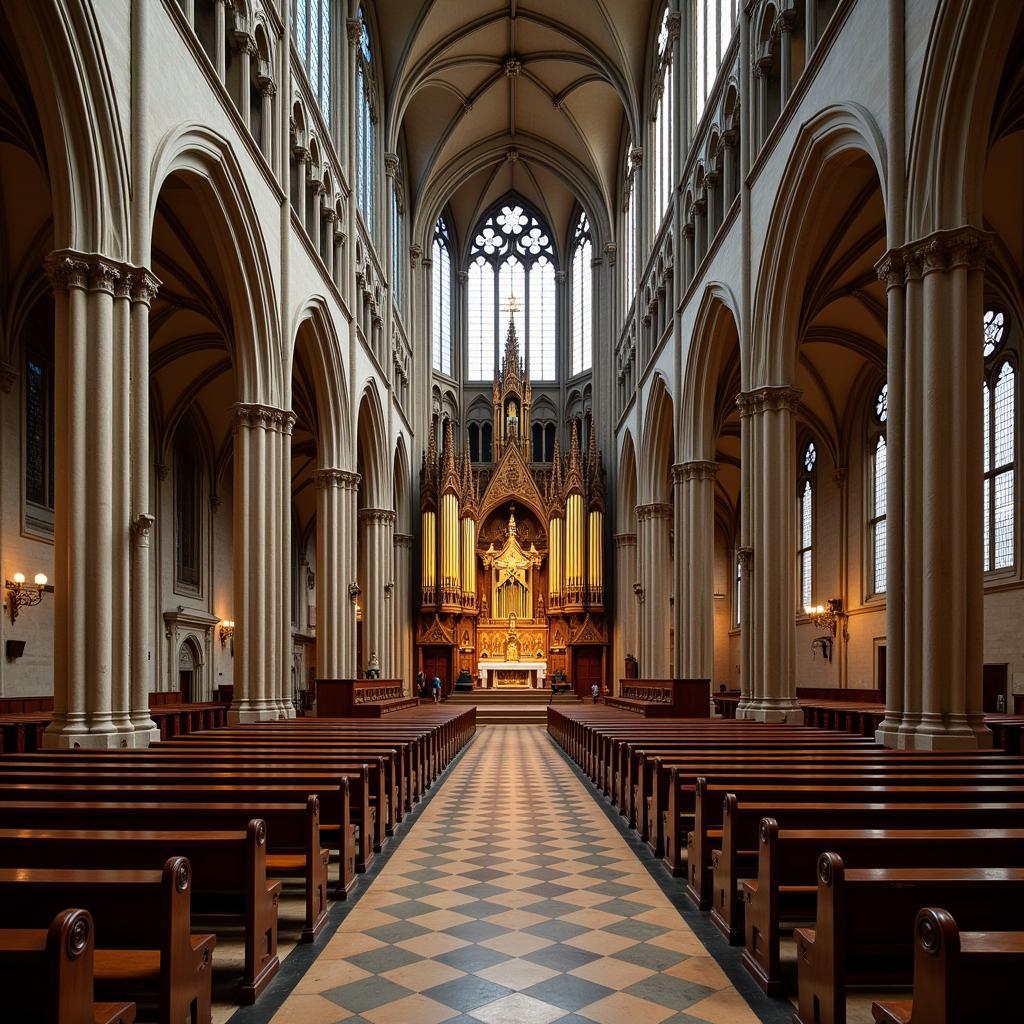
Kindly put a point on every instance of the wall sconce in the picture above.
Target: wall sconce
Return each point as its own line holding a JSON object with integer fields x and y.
{"x": 20, "y": 595}
{"x": 227, "y": 632}
{"x": 827, "y": 616}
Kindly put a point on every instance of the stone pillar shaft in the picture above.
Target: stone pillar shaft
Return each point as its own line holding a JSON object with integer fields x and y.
{"x": 653, "y": 525}
{"x": 694, "y": 485}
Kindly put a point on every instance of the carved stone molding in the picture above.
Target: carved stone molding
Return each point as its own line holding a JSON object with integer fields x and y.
{"x": 513, "y": 67}
{"x": 403, "y": 540}
{"x": 324, "y": 478}
{"x": 611, "y": 251}
{"x": 697, "y": 469}
{"x": 654, "y": 510}
{"x": 390, "y": 164}
{"x": 254, "y": 415}
{"x": 624, "y": 540}
{"x": 775, "y": 398}
{"x": 378, "y": 516}
{"x": 745, "y": 556}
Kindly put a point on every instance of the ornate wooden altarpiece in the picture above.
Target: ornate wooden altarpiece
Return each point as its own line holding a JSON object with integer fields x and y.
{"x": 512, "y": 554}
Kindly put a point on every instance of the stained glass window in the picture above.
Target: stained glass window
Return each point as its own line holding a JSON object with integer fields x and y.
{"x": 512, "y": 258}
{"x": 1000, "y": 465}
{"x": 366, "y": 128}
{"x": 441, "y": 309}
{"x": 715, "y": 24}
{"x": 663, "y": 126}
{"x": 186, "y": 510}
{"x": 582, "y": 297}
{"x": 805, "y": 527}
{"x": 312, "y": 24}
{"x": 39, "y": 434}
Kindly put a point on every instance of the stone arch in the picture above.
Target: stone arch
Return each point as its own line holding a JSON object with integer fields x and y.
{"x": 950, "y": 140}
{"x": 401, "y": 481}
{"x": 371, "y": 449}
{"x": 657, "y": 446}
{"x": 87, "y": 157}
{"x": 206, "y": 161}
{"x": 626, "y": 492}
{"x": 314, "y": 333}
{"x": 705, "y": 360}
{"x": 827, "y": 144}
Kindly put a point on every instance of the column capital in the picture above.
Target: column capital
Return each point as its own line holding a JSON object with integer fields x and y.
{"x": 624, "y": 540}
{"x": 696, "y": 469}
{"x": 378, "y": 516}
{"x": 253, "y": 414}
{"x": 941, "y": 250}
{"x": 403, "y": 540}
{"x": 745, "y": 556}
{"x": 325, "y": 478}
{"x": 354, "y": 28}
{"x": 772, "y": 398}
{"x": 415, "y": 254}
{"x": 349, "y": 481}
{"x": 654, "y": 510}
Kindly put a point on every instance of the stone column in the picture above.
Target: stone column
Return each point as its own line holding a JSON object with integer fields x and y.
{"x": 938, "y": 406}
{"x": 261, "y": 562}
{"x": 653, "y": 524}
{"x": 626, "y": 605}
{"x": 220, "y": 38}
{"x": 144, "y": 289}
{"x": 331, "y": 585}
{"x": 92, "y": 581}
{"x": 376, "y": 527}
{"x": 349, "y": 539}
{"x": 402, "y": 601}
{"x": 285, "y": 421}
{"x": 694, "y": 488}
{"x": 769, "y": 420}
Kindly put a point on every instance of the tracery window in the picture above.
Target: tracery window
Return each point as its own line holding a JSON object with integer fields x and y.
{"x": 441, "y": 293}
{"x": 877, "y": 470}
{"x": 511, "y": 276}
{"x": 999, "y": 413}
{"x": 805, "y": 526}
{"x": 716, "y": 22}
{"x": 312, "y": 25}
{"x": 366, "y": 127}
{"x": 662, "y": 124}
{"x": 582, "y": 297}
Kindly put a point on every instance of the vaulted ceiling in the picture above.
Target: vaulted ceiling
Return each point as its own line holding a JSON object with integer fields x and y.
{"x": 490, "y": 96}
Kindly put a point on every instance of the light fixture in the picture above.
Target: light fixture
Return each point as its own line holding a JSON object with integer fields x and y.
{"x": 828, "y": 615}
{"x": 227, "y": 632}
{"x": 20, "y": 595}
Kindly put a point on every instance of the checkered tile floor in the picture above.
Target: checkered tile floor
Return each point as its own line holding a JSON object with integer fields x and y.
{"x": 513, "y": 900}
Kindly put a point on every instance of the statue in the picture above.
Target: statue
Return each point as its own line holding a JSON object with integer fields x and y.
{"x": 540, "y": 606}
{"x": 511, "y": 421}
{"x": 483, "y": 606}
{"x": 373, "y": 667}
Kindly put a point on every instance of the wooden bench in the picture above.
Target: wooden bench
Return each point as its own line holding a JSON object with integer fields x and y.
{"x": 229, "y": 876}
{"x": 959, "y": 977}
{"x": 143, "y": 928}
{"x": 293, "y": 833}
{"x": 46, "y": 975}
{"x": 864, "y": 927}
{"x": 787, "y": 861}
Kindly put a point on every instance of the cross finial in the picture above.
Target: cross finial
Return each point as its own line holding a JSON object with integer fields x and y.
{"x": 512, "y": 304}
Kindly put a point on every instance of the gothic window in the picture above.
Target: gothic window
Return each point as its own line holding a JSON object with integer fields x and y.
{"x": 549, "y": 443}
{"x": 999, "y": 412}
{"x": 582, "y": 294}
{"x": 511, "y": 276}
{"x": 716, "y": 22}
{"x": 312, "y": 24}
{"x": 537, "y": 448}
{"x": 485, "y": 443}
{"x": 186, "y": 509}
{"x": 39, "y": 435}
{"x": 662, "y": 125}
{"x": 366, "y": 127}
{"x": 441, "y": 293}
{"x": 877, "y": 455}
{"x": 474, "y": 442}
{"x": 805, "y": 525}
{"x": 397, "y": 245}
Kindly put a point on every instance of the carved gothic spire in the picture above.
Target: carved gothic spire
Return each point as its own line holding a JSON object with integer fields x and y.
{"x": 595, "y": 474}
{"x": 428, "y": 474}
{"x": 449, "y": 470}
{"x": 469, "y": 503}
{"x": 574, "y": 474}
{"x": 556, "y": 497}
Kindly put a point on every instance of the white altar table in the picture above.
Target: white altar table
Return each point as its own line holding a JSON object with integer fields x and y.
{"x": 491, "y": 673}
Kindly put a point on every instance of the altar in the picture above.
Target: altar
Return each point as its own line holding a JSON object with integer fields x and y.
{"x": 513, "y": 673}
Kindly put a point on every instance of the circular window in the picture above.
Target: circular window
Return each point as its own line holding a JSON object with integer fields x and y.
{"x": 995, "y": 330}
{"x": 882, "y": 404}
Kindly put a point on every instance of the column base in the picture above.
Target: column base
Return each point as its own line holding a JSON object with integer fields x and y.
{"x": 915, "y": 731}
{"x": 783, "y": 711}
{"x": 245, "y": 712}
{"x": 61, "y": 740}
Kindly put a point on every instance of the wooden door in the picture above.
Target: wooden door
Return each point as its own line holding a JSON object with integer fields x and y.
{"x": 185, "y": 685}
{"x": 880, "y": 669}
{"x": 586, "y": 670}
{"x": 437, "y": 661}
{"x": 993, "y": 684}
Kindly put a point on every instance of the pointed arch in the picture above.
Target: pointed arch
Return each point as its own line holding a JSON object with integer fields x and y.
{"x": 371, "y": 450}
{"x": 657, "y": 446}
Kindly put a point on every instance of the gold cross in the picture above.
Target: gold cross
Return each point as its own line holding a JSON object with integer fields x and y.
{"x": 512, "y": 304}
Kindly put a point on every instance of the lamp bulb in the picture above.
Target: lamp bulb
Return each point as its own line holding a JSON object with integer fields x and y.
{"x": 40, "y": 579}
{"x": 19, "y": 578}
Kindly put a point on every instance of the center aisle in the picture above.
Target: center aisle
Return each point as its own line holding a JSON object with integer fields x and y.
{"x": 514, "y": 899}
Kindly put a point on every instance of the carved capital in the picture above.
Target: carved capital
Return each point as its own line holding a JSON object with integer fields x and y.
{"x": 698, "y": 469}
{"x": 611, "y": 251}
{"x": 654, "y": 510}
{"x": 325, "y": 478}
{"x": 415, "y": 254}
{"x": 769, "y": 399}
{"x": 66, "y": 270}
{"x": 624, "y": 540}
{"x": 145, "y": 285}
{"x": 391, "y": 164}
{"x": 354, "y": 28}
{"x": 745, "y": 556}
{"x": 142, "y": 526}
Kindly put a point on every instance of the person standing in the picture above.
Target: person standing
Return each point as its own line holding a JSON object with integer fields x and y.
{"x": 436, "y": 689}
{"x": 595, "y": 692}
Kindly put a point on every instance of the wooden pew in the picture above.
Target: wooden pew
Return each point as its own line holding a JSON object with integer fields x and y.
{"x": 293, "y": 832}
{"x": 46, "y": 975}
{"x": 229, "y": 876}
{"x": 959, "y": 977}
{"x": 710, "y": 803}
{"x": 328, "y": 781}
{"x": 864, "y": 928}
{"x": 786, "y": 882}
{"x": 143, "y": 928}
